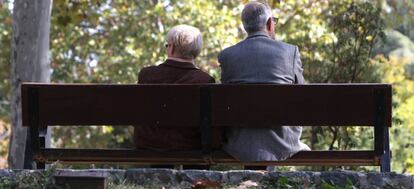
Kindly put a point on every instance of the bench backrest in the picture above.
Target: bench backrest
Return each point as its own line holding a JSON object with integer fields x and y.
{"x": 254, "y": 105}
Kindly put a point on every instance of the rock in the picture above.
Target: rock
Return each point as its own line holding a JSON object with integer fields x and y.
{"x": 200, "y": 178}
{"x": 237, "y": 177}
{"x": 343, "y": 179}
{"x": 196, "y": 175}
{"x": 6, "y": 173}
{"x": 389, "y": 180}
{"x": 148, "y": 176}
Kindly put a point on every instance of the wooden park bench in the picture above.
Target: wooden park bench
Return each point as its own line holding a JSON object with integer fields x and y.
{"x": 204, "y": 107}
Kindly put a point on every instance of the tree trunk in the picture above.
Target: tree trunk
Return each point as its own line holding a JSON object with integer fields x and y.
{"x": 29, "y": 62}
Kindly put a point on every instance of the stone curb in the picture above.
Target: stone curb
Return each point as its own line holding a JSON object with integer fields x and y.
{"x": 187, "y": 178}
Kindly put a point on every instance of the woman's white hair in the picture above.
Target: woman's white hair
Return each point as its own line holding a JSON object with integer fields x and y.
{"x": 186, "y": 40}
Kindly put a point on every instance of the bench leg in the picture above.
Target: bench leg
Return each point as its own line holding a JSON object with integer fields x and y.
{"x": 40, "y": 165}
{"x": 35, "y": 140}
{"x": 381, "y": 132}
{"x": 28, "y": 153}
{"x": 42, "y": 144}
{"x": 386, "y": 157}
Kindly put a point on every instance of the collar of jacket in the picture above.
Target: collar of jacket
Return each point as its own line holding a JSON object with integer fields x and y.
{"x": 258, "y": 33}
{"x": 177, "y": 64}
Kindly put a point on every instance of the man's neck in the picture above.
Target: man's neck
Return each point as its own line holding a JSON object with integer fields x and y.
{"x": 181, "y": 59}
{"x": 260, "y": 32}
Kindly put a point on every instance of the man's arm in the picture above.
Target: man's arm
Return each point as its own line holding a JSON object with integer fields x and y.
{"x": 221, "y": 60}
{"x": 297, "y": 68}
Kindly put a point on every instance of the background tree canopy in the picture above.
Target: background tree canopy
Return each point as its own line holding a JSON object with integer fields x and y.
{"x": 109, "y": 41}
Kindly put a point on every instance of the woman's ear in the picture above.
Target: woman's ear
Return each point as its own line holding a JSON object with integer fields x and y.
{"x": 172, "y": 49}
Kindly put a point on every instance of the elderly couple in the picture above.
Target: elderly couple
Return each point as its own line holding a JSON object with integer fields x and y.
{"x": 257, "y": 59}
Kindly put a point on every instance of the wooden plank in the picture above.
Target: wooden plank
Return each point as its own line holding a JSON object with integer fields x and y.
{"x": 156, "y": 105}
{"x": 122, "y": 154}
{"x": 306, "y": 105}
{"x": 232, "y": 105}
{"x": 195, "y": 157}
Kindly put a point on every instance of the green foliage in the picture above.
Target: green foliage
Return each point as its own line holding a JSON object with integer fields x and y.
{"x": 336, "y": 40}
{"x": 122, "y": 185}
{"x": 403, "y": 115}
{"x": 281, "y": 183}
{"x": 31, "y": 180}
{"x": 6, "y": 183}
{"x": 93, "y": 137}
{"x": 396, "y": 56}
{"x": 399, "y": 16}
{"x": 5, "y": 53}
{"x": 109, "y": 41}
{"x": 331, "y": 185}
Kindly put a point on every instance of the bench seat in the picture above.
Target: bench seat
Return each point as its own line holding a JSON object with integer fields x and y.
{"x": 315, "y": 157}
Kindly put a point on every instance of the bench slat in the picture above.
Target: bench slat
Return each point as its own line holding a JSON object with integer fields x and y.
{"x": 315, "y": 105}
{"x": 179, "y": 105}
{"x": 195, "y": 157}
{"x": 157, "y": 105}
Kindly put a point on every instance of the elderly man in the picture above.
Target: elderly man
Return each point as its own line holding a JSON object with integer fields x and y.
{"x": 183, "y": 45}
{"x": 261, "y": 59}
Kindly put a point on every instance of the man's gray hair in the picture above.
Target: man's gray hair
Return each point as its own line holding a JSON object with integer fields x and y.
{"x": 186, "y": 40}
{"x": 255, "y": 15}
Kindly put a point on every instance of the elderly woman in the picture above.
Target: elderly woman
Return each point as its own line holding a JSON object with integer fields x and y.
{"x": 183, "y": 45}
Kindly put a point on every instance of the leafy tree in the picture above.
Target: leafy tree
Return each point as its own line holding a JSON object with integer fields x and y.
{"x": 5, "y": 53}
{"x": 396, "y": 55}
{"x": 394, "y": 72}
{"x": 399, "y": 16}
{"x": 336, "y": 40}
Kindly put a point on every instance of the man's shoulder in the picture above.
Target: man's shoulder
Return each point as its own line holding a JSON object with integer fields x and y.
{"x": 147, "y": 73}
{"x": 284, "y": 44}
{"x": 229, "y": 49}
{"x": 257, "y": 41}
{"x": 150, "y": 68}
{"x": 281, "y": 45}
{"x": 202, "y": 77}
{"x": 225, "y": 53}
{"x": 264, "y": 43}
